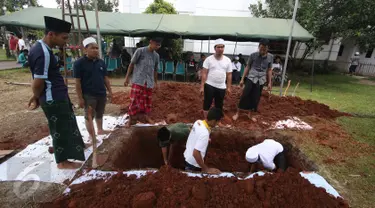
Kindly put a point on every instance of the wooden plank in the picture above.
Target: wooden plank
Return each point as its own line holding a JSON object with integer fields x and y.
{"x": 4, "y": 153}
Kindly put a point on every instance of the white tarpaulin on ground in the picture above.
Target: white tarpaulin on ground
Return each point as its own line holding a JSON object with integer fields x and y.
{"x": 312, "y": 177}
{"x": 36, "y": 163}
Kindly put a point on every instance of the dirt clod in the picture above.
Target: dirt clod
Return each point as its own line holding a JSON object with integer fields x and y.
{"x": 144, "y": 200}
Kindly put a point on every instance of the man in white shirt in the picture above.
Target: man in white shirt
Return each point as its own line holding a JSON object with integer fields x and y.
{"x": 197, "y": 142}
{"x": 236, "y": 67}
{"x": 269, "y": 153}
{"x": 21, "y": 44}
{"x": 216, "y": 72}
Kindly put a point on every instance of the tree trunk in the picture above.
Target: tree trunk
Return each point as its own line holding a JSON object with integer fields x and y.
{"x": 6, "y": 42}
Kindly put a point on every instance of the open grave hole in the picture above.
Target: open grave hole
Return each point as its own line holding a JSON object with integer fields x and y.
{"x": 226, "y": 151}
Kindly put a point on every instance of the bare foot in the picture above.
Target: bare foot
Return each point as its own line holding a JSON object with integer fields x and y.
{"x": 50, "y": 150}
{"x": 69, "y": 165}
{"x": 87, "y": 145}
{"x": 235, "y": 117}
{"x": 102, "y": 132}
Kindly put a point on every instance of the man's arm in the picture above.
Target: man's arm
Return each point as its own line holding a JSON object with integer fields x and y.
{"x": 107, "y": 84}
{"x": 245, "y": 73}
{"x": 77, "y": 76}
{"x": 204, "y": 73}
{"x": 229, "y": 80}
{"x": 130, "y": 70}
{"x": 253, "y": 167}
{"x": 164, "y": 150}
{"x": 37, "y": 87}
{"x": 198, "y": 158}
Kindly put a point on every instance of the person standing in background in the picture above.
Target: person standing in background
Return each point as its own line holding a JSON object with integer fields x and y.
{"x": 236, "y": 66}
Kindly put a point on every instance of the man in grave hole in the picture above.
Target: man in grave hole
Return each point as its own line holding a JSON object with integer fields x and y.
{"x": 170, "y": 137}
{"x": 269, "y": 153}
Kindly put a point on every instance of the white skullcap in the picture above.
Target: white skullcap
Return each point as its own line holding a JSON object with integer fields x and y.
{"x": 252, "y": 155}
{"x": 219, "y": 41}
{"x": 88, "y": 41}
{"x": 356, "y": 53}
{"x": 237, "y": 58}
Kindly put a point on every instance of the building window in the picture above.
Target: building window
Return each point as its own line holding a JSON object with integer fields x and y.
{"x": 341, "y": 50}
{"x": 369, "y": 53}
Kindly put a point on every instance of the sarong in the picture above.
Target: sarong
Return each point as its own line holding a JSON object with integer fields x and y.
{"x": 66, "y": 138}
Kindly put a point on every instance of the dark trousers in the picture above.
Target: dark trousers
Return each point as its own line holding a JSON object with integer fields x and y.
{"x": 211, "y": 93}
{"x": 236, "y": 76}
{"x": 190, "y": 167}
{"x": 280, "y": 161}
{"x": 250, "y": 96}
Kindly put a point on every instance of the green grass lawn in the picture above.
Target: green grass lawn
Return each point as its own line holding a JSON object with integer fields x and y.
{"x": 340, "y": 92}
{"x": 3, "y": 56}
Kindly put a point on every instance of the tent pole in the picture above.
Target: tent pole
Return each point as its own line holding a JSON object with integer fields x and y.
{"x": 98, "y": 29}
{"x": 289, "y": 43}
{"x": 201, "y": 45}
{"x": 235, "y": 47}
{"x": 209, "y": 41}
{"x": 312, "y": 68}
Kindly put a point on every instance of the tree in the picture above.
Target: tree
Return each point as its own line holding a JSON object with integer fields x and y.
{"x": 103, "y": 5}
{"x": 326, "y": 19}
{"x": 173, "y": 45}
{"x": 16, "y": 5}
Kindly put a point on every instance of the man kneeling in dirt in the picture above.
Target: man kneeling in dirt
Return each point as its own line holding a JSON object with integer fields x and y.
{"x": 171, "y": 137}
{"x": 197, "y": 143}
{"x": 269, "y": 153}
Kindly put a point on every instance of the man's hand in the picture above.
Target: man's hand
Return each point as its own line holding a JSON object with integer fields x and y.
{"x": 213, "y": 171}
{"x": 269, "y": 87}
{"x": 81, "y": 103}
{"x": 126, "y": 82}
{"x": 241, "y": 83}
{"x": 33, "y": 103}
{"x": 109, "y": 96}
{"x": 156, "y": 86}
{"x": 201, "y": 90}
{"x": 229, "y": 90}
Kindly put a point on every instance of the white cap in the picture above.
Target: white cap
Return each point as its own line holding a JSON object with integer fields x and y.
{"x": 236, "y": 58}
{"x": 356, "y": 53}
{"x": 88, "y": 40}
{"x": 252, "y": 155}
{"x": 219, "y": 41}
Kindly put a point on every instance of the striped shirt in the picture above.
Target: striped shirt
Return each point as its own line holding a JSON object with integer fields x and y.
{"x": 43, "y": 65}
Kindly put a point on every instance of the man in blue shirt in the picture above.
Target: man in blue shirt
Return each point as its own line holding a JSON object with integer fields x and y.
{"x": 51, "y": 93}
{"x": 91, "y": 83}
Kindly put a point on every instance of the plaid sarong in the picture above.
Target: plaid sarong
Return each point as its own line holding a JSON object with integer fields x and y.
{"x": 140, "y": 99}
{"x": 66, "y": 138}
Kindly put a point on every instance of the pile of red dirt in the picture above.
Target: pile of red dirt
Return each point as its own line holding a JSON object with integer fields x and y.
{"x": 171, "y": 188}
{"x": 184, "y": 102}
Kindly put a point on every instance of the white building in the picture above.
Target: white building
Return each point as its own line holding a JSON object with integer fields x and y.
{"x": 235, "y": 8}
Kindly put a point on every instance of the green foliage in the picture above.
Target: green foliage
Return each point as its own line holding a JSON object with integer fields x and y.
{"x": 160, "y": 7}
{"x": 16, "y": 5}
{"x": 175, "y": 45}
{"x": 326, "y": 19}
{"x": 103, "y": 5}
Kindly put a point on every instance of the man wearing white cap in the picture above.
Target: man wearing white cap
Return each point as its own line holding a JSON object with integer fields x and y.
{"x": 236, "y": 66}
{"x": 354, "y": 63}
{"x": 269, "y": 153}
{"x": 216, "y": 75}
{"x": 92, "y": 80}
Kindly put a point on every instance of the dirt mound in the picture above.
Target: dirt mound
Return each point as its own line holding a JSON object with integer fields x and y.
{"x": 171, "y": 188}
{"x": 185, "y": 101}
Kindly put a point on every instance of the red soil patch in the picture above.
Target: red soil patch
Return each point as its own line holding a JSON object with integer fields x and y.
{"x": 171, "y": 188}
{"x": 185, "y": 101}
{"x": 16, "y": 140}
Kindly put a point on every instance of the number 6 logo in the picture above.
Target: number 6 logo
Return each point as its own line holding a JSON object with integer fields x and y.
{"x": 25, "y": 176}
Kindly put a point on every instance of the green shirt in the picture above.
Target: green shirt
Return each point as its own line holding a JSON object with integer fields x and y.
{"x": 179, "y": 132}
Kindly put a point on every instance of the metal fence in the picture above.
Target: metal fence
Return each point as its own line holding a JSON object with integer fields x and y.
{"x": 364, "y": 69}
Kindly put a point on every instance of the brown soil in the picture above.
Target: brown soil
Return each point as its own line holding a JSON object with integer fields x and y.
{"x": 185, "y": 101}
{"x": 226, "y": 151}
{"x": 171, "y": 188}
